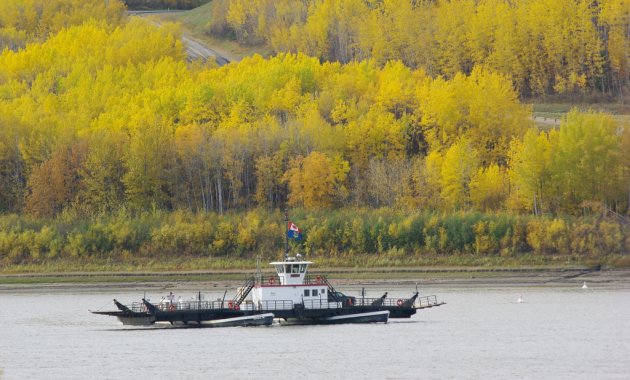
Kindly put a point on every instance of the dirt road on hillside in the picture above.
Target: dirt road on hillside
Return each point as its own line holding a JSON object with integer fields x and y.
{"x": 195, "y": 49}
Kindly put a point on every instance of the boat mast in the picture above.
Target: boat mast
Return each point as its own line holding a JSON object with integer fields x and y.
{"x": 286, "y": 234}
{"x": 258, "y": 271}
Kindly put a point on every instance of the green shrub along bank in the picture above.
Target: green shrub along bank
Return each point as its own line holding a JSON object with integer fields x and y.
{"x": 335, "y": 238}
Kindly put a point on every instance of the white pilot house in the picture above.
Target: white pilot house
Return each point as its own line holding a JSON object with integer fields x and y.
{"x": 292, "y": 286}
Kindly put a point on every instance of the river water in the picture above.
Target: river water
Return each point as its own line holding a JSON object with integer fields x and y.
{"x": 557, "y": 332}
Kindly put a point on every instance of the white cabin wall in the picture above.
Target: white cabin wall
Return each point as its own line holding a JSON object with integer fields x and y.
{"x": 288, "y": 293}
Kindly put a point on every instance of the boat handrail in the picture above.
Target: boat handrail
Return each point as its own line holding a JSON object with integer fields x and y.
{"x": 309, "y": 279}
{"x": 139, "y": 307}
{"x": 184, "y": 305}
{"x": 276, "y": 305}
{"x": 426, "y": 301}
{"x": 421, "y": 302}
{"x": 321, "y": 304}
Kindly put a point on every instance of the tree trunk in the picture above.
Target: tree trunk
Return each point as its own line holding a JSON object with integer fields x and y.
{"x": 219, "y": 193}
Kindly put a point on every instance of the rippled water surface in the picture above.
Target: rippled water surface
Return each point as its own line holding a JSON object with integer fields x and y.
{"x": 556, "y": 333}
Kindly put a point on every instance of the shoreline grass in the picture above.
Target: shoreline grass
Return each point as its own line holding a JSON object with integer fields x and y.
{"x": 356, "y": 262}
{"x": 357, "y": 267}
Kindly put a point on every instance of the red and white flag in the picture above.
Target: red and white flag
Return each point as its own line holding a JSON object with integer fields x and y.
{"x": 293, "y": 231}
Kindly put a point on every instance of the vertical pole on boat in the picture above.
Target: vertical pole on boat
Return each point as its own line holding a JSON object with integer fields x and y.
{"x": 258, "y": 272}
{"x": 286, "y": 234}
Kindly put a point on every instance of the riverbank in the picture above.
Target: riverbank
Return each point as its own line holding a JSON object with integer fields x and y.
{"x": 341, "y": 277}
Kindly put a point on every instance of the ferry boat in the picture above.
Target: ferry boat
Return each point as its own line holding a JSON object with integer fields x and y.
{"x": 290, "y": 296}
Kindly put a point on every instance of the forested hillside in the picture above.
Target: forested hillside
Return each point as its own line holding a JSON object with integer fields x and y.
{"x": 104, "y": 120}
{"x": 544, "y": 46}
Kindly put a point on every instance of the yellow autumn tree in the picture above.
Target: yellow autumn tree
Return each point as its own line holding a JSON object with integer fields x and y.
{"x": 459, "y": 165}
{"x": 488, "y": 188}
{"x": 482, "y": 107}
{"x": 451, "y": 172}
{"x": 530, "y": 172}
{"x": 317, "y": 181}
{"x": 586, "y": 159}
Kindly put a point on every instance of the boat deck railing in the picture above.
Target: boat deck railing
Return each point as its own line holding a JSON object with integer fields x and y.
{"x": 139, "y": 307}
{"x": 421, "y": 302}
{"x": 183, "y": 305}
{"x": 308, "y": 280}
{"x": 427, "y": 301}
{"x": 321, "y": 304}
{"x": 275, "y": 305}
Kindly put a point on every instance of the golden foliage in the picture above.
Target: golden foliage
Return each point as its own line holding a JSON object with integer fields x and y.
{"x": 317, "y": 180}
{"x": 158, "y": 133}
{"x": 580, "y": 162}
{"x": 544, "y": 46}
{"x": 23, "y": 21}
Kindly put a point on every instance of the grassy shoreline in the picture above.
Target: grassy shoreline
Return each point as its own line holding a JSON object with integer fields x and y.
{"x": 200, "y": 270}
{"x": 430, "y": 278}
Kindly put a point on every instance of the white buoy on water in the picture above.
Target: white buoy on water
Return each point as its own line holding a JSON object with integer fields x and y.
{"x": 584, "y": 285}
{"x": 520, "y": 299}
